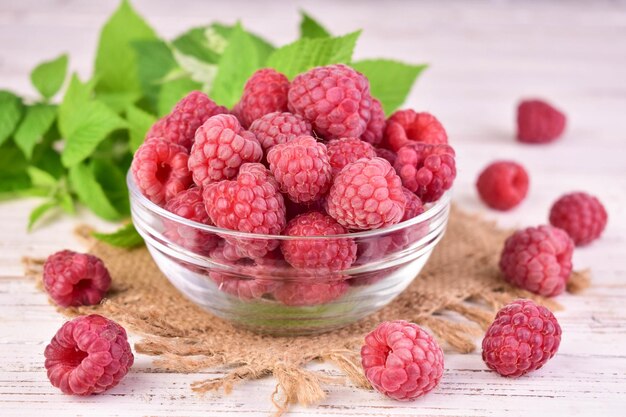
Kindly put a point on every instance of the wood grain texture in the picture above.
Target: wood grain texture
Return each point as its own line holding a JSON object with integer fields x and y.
{"x": 484, "y": 56}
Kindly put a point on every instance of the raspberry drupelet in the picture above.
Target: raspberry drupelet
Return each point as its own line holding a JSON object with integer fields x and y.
{"x": 503, "y": 185}
{"x": 581, "y": 215}
{"x": 264, "y": 92}
{"x": 406, "y": 126}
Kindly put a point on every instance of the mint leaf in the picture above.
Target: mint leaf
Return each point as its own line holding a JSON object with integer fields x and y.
{"x": 202, "y": 43}
{"x": 65, "y": 201}
{"x": 11, "y": 109}
{"x": 41, "y": 178}
{"x": 172, "y": 92}
{"x": 154, "y": 60}
{"x": 139, "y": 122}
{"x": 196, "y": 69}
{"x": 34, "y": 125}
{"x": 263, "y": 47}
{"x": 233, "y": 71}
{"x": 116, "y": 64}
{"x": 125, "y": 237}
{"x": 90, "y": 193}
{"x": 39, "y": 211}
{"x": 48, "y": 76}
{"x": 119, "y": 101}
{"x": 13, "y": 175}
{"x": 306, "y": 53}
{"x": 310, "y": 28}
{"x": 112, "y": 182}
{"x": 381, "y": 71}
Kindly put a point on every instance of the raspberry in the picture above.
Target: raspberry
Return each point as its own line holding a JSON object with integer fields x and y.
{"x": 188, "y": 115}
{"x": 401, "y": 360}
{"x": 503, "y": 185}
{"x": 295, "y": 209}
{"x": 414, "y": 206}
{"x": 190, "y": 205}
{"x": 276, "y": 128}
{"x": 367, "y": 194}
{"x": 88, "y": 355}
{"x": 538, "y": 122}
{"x": 406, "y": 126}
{"x": 538, "y": 259}
{"x": 75, "y": 279}
{"x": 265, "y": 92}
{"x": 302, "y": 168}
{"x": 523, "y": 337}
{"x": 581, "y": 215}
{"x": 310, "y": 293}
{"x": 375, "y": 128}
{"x": 343, "y": 151}
{"x": 221, "y": 146}
{"x": 160, "y": 170}
{"x": 251, "y": 204}
{"x": 427, "y": 170}
{"x": 335, "y": 99}
{"x": 328, "y": 254}
{"x": 387, "y": 154}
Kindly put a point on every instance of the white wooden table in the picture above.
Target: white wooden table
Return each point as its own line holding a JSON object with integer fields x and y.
{"x": 484, "y": 56}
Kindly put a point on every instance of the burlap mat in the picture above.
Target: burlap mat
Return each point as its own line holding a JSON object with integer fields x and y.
{"x": 455, "y": 297}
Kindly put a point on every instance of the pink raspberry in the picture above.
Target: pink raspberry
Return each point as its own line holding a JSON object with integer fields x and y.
{"x": 407, "y": 126}
{"x": 302, "y": 168}
{"x": 401, "y": 360}
{"x": 276, "y": 128}
{"x": 221, "y": 146}
{"x": 75, "y": 279}
{"x": 581, "y": 215}
{"x": 188, "y": 115}
{"x": 366, "y": 194}
{"x": 539, "y": 122}
{"x": 327, "y": 254}
{"x": 295, "y": 209}
{"x": 265, "y": 92}
{"x": 538, "y": 259}
{"x": 375, "y": 128}
{"x": 335, "y": 99}
{"x": 300, "y": 294}
{"x": 427, "y": 170}
{"x": 251, "y": 204}
{"x": 88, "y": 355}
{"x": 160, "y": 170}
{"x": 387, "y": 154}
{"x": 503, "y": 185}
{"x": 414, "y": 206}
{"x": 523, "y": 337}
{"x": 190, "y": 205}
{"x": 343, "y": 151}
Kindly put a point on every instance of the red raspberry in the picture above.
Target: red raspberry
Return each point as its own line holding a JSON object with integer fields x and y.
{"x": 538, "y": 122}
{"x": 581, "y": 215}
{"x": 328, "y": 254}
{"x": 302, "y": 168}
{"x": 367, "y": 194}
{"x": 523, "y": 337}
{"x": 251, "y": 204}
{"x": 300, "y": 294}
{"x": 375, "y": 128}
{"x": 401, "y": 360}
{"x": 503, "y": 185}
{"x": 427, "y": 170}
{"x": 88, "y": 355}
{"x": 276, "y": 128}
{"x": 387, "y": 154}
{"x": 414, "y": 206}
{"x": 295, "y": 209}
{"x": 75, "y": 279}
{"x": 188, "y": 115}
{"x": 335, "y": 99}
{"x": 265, "y": 92}
{"x": 538, "y": 259}
{"x": 190, "y": 205}
{"x": 406, "y": 126}
{"x": 343, "y": 151}
{"x": 220, "y": 148}
{"x": 160, "y": 170}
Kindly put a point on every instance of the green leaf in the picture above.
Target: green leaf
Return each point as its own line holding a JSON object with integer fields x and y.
{"x": 119, "y": 101}
{"x": 113, "y": 183}
{"x": 172, "y": 92}
{"x": 233, "y": 72}
{"x": 37, "y": 121}
{"x": 41, "y": 178}
{"x": 139, "y": 122}
{"x": 116, "y": 64}
{"x": 125, "y": 237}
{"x": 381, "y": 73}
{"x": 154, "y": 60}
{"x": 13, "y": 174}
{"x": 310, "y": 28}
{"x": 65, "y": 201}
{"x": 39, "y": 211}
{"x": 48, "y": 76}
{"x": 203, "y": 43}
{"x": 197, "y": 70}
{"x": 76, "y": 95}
{"x": 11, "y": 109}
{"x": 263, "y": 47}
{"x": 306, "y": 53}
{"x": 90, "y": 193}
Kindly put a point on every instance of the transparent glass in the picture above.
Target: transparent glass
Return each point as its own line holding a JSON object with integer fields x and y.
{"x": 264, "y": 293}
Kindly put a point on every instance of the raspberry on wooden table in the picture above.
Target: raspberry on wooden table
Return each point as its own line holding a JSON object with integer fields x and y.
{"x": 345, "y": 150}
{"x": 581, "y": 215}
{"x": 401, "y": 360}
{"x": 276, "y": 128}
{"x": 264, "y": 92}
{"x": 539, "y": 122}
{"x": 406, "y": 126}
{"x": 376, "y": 126}
{"x": 503, "y": 185}
{"x": 75, "y": 279}
{"x": 88, "y": 355}
{"x": 523, "y": 337}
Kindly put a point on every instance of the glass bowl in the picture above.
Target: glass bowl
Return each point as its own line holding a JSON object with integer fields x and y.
{"x": 264, "y": 293}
